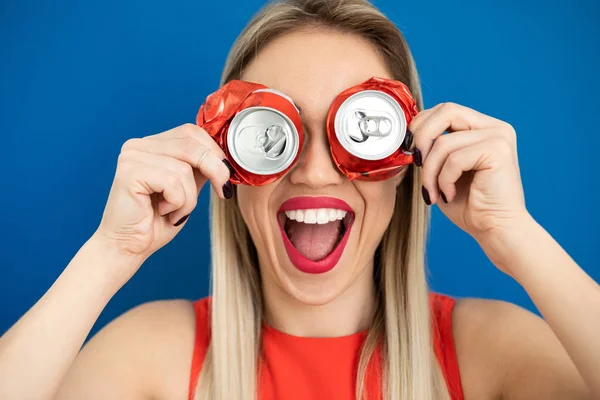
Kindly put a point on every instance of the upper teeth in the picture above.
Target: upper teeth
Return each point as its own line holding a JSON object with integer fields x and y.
{"x": 316, "y": 215}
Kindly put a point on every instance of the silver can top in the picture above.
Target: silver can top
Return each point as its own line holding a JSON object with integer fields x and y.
{"x": 262, "y": 140}
{"x": 370, "y": 125}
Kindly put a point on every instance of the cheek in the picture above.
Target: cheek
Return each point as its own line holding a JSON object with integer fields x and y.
{"x": 377, "y": 193}
{"x": 254, "y": 205}
{"x": 379, "y": 199}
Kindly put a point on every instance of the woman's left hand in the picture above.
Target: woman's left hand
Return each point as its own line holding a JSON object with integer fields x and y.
{"x": 474, "y": 167}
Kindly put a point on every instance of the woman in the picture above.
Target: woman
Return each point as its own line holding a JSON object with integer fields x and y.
{"x": 361, "y": 328}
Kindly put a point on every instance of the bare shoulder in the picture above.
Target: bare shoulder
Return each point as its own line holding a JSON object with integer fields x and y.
{"x": 145, "y": 353}
{"x": 507, "y": 352}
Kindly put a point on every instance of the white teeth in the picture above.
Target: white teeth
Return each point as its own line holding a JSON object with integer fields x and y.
{"x": 310, "y": 216}
{"x": 332, "y": 214}
{"x": 316, "y": 215}
{"x": 322, "y": 216}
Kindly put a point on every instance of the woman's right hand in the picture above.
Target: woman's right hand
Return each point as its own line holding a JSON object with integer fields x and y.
{"x": 156, "y": 186}
{"x": 157, "y": 182}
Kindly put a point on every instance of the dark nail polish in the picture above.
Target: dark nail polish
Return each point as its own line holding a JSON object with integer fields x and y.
{"x": 408, "y": 140}
{"x": 425, "y": 195}
{"x": 418, "y": 157}
{"x": 228, "y": 190}
{"x": 228, "y": 164}
{"x": 443, "y": 197}
{"x": 182, "y": 220}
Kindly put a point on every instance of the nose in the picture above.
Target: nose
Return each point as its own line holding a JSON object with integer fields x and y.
{"x": 315, "y": 167}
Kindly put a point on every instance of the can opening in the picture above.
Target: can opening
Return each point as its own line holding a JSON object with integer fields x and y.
{"x": 370, "y": 125}
{"x": 272, "y": 141}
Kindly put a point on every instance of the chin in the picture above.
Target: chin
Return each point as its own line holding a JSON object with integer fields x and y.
{"x": 317, "y": 289}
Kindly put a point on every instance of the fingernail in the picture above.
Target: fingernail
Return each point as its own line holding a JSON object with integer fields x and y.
{"x": 231, "y": 170}
{"x": 408, "y": 140}
{"x": 228, "y": 190}
{"x": 425, "y": 195}
{"x": 418, "y": 157}
{"x": 182, "y": 220}
{"x": 443, "y": 197}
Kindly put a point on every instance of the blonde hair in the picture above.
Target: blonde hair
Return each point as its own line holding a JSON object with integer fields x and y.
{"x": 401, "y": 324}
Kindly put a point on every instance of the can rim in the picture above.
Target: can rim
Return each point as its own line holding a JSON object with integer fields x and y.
{"x": 230, "y": 137}
{"x": 345, "y": 142}
{"x": 277, "y": 92}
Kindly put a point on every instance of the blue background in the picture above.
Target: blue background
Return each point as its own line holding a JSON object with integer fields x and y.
{"x": 77, "y": 79}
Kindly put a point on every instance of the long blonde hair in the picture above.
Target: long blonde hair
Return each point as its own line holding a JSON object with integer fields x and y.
{"x": 401, "y": 323}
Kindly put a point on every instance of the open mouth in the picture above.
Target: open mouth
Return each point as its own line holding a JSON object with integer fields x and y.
{"x": 315, "y": 237}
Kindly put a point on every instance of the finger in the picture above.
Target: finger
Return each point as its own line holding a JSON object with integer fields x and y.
{"x": 190, "y": 131}
{"x": 147, "y": 179}
{"x": 442, "y": 148}
{"x": 188, "y": 150}
{"x": 449, "y": 117}
{"x": 471, "y": 158}
{"x": 188, "y": 180}
{"x": 182, "y": 131}
{"x": 422, "y": 116}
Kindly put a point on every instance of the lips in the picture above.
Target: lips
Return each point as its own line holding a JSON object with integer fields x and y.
{"x": 300, "y": 261}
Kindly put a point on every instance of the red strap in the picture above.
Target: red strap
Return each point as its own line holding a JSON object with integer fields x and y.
{"x": 441, "y": 308}
{"x": 200, "y": 344}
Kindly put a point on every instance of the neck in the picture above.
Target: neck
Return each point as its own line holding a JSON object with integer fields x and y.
{"x": 349, "y": 312}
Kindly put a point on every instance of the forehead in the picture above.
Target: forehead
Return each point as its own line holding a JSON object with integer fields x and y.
{"x": 314, "y": 66}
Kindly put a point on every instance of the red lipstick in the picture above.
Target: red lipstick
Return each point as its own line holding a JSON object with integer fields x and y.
{"x": 298, "y": 260}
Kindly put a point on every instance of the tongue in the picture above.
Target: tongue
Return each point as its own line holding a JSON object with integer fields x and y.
{"x": 313, "y": 241}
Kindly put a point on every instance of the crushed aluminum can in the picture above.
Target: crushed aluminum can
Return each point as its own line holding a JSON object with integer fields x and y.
{"x": 367, "y": 125}
{"x": 258, "y": 128}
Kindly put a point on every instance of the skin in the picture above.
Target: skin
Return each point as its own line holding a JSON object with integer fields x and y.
{"x": 325, "y": 304}
{"x": 504, "y": 351}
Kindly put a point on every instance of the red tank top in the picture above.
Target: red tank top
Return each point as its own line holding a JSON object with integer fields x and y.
{"x": 308, "y": 368}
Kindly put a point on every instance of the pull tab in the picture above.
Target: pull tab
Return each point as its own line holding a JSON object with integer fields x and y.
{"x": 263, "y": 140}
{"x": 378, "y": 124}
{"x": 272, "y": 141}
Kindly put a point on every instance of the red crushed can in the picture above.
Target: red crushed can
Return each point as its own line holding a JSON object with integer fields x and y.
{"x": 367, "y": 125}
{"x": 258, "y": 128}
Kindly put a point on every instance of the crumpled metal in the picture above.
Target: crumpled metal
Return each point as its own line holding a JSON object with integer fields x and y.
{"x": 372, "y": 170}
{"x": 215, "y": 115}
